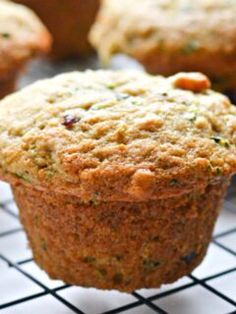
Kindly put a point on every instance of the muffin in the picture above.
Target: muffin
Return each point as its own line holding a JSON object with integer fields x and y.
{"x": 69, "y": 22}
{"x": 22, "y": 36}
{"x": 171, "y": 36}
{"x": 119, "y": 176}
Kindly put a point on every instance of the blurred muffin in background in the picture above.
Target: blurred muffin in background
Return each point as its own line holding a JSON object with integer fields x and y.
{"x": 22, "y": 36}
{"x": 169, "y": 36}
{"x": 69, "y": 22}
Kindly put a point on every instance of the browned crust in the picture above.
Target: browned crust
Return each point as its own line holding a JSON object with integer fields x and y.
{"x": 126, "y": 183}
{"x": 119, "y": 245}
{"x": 69, "y": 22}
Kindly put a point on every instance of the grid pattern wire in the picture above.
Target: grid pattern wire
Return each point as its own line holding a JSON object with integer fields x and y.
{"x": 140, "y": 300}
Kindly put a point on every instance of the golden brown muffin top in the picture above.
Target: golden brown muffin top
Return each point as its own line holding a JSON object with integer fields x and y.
{"x": 21, "y": 36}
{"x": 122, "y": 135}
{"x": 174, "y": 26}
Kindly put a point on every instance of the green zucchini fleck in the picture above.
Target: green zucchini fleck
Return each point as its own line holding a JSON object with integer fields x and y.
{"x": 111, "y": 86}
{"x": 43, "y": 245}
{"x": 101, "y": 273}
{"x": 191, "y": 116}
{"x": 221, "y": 141}
{"x": 173, "y": 182}
{"x": 118, "y": 278}
{"x": 89, "y": 260}
{"x": 5, "y": 35}
{"x": 150, "y": 265}
{"x": 23, "y": 176}
{"x": 190, "y": 47}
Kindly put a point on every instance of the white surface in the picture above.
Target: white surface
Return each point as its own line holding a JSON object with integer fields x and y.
{"x": 5, "y": 192}
{"x": 3, "y": 266}
{"x": 13, "y": 208}
{"x": 150, "y": 292}
{"x": 42, "y": 305}
{"x": 102, "y": 301}
{"x": 7, "y": 222}
{"x": 15, "y": 247}
{"x": 226, "y": 221}
{"x": 226, "y": 285}
{"x": 229, "y": 241}
{"x": 217, "y": 260}
{"x": 194, "y": 300}
{"x": 32, "y": 269}
{"x": 14, "y": 285}
{"x": 142, "y": 309}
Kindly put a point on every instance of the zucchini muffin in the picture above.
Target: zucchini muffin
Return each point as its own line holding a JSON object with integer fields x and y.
{"x": 169, "y": 36}
{"x": 22, "y": 36}
{"x": 69, "y": 22}
{"x": 119, "y": 176}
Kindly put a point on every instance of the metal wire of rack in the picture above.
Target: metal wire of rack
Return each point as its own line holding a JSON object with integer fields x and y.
{"x": 56, "y": 297}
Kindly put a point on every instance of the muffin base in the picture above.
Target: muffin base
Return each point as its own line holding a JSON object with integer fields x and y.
{"x": 169, "y": 64}
{"x": 119, "y": 245}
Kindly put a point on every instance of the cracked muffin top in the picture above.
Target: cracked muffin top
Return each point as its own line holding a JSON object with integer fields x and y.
{"x": 21, "y": 36}
{"x": 125, "y": 135}
{"x": 200, "y": 35}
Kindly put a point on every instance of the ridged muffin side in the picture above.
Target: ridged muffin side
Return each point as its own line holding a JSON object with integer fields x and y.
{"x": 119, "y": 245}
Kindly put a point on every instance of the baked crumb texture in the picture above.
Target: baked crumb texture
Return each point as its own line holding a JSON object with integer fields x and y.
{"x": 119, "y": 176}
{"x": 171, "y": 36}
{"x": 69, "y": 22}
{"x": 22, "y": 36}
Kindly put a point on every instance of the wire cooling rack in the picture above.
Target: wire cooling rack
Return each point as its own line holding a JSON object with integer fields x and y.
{"x": 25, "y": 289}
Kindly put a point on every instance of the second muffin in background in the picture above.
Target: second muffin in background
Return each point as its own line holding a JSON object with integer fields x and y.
{"x": 119, "y": 176}
{"x": 170, "y": 36}
{"x": 22, "y": 36}
{"x": 69, "y": 22}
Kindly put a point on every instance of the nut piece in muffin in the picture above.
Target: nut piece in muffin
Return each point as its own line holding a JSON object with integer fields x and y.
{"x": 169, "y": 36}
{"x": 119, "y": 176}
{"x": 69, "y": 22}
{"x": 22, "y": 36}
